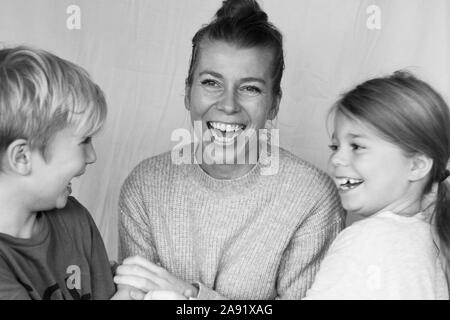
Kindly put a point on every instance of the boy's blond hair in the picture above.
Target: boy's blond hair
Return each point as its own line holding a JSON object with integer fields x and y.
{"x": 41, "y": 94}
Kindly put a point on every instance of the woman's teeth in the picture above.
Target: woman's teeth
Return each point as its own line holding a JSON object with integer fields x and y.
{"x": 226, "y": 127}
{"x": 225, "y": 133}
{"x": 348, "y": 183}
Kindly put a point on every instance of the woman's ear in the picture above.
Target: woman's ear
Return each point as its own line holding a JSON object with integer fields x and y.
{"x": 275, "y": 107}
{"x": 18, "y": 157}
{"x": 187, "y": 99}
{"x": 421, "y": 166}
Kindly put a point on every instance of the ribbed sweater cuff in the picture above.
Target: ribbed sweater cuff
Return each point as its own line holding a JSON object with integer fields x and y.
{"x": 205, "y": 293}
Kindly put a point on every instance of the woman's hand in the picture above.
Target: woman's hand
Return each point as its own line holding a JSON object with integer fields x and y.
{"x": 164, "y": 295}
{"x": 125, "y": 292}
{"x": 149, "y": 277}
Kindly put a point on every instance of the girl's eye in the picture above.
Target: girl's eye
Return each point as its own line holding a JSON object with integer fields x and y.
{"x": 333, "y": 147}
{"x": 251, "y": 89}
{"x": 356, "y": 146}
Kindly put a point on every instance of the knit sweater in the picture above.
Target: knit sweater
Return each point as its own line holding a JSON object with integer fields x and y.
{"x": 255, "y": 237}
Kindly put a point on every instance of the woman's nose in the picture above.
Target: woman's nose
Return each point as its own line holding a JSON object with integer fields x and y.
{"x": 228, "y": 103}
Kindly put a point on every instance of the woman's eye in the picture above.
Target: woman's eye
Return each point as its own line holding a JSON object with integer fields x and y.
{"x": 209, "y": 83}
{"x": 251, "y": 89}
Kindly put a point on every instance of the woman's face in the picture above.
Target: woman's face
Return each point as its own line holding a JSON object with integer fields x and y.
{"x": 231, "y": 92}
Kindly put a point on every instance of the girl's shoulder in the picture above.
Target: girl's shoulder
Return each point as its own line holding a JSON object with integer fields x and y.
{"x": 380, "y": 257}
{"x": 387, "y": 232}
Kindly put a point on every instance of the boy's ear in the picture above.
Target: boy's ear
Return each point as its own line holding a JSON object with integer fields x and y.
{"x": 18, "y": 157}
{"x": 421, "y": 166}
{"x": 187, "y": 103}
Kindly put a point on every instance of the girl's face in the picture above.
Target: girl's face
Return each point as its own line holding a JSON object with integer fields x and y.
{"x": 371, "y": 173}
{"x": 231, "y": 92}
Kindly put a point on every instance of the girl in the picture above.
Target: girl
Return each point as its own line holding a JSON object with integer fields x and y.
{"x": 390, "y": 149}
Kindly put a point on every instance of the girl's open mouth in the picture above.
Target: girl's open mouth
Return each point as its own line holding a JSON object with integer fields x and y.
{"x": 346, "y": 183}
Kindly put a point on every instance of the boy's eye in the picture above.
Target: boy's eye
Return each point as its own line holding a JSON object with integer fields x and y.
{"x": 333, "y": 147}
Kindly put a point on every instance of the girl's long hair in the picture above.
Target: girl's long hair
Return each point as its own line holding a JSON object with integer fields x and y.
{"x": 411, "y": 114}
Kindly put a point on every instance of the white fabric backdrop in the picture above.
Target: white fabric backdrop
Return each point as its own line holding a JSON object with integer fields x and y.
{"x": 138, "y": 51}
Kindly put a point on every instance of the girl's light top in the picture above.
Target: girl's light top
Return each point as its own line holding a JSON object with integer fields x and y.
{"x": 386, "y": 256}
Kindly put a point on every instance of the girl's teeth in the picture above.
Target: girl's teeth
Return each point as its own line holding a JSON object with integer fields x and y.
{"x": 348, "y": 183}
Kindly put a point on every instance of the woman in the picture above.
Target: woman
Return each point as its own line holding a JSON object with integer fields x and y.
{"x": 223, "y": 227}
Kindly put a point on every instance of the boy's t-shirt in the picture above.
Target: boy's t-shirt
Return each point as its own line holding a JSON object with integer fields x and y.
{"x": 66, "y": 260}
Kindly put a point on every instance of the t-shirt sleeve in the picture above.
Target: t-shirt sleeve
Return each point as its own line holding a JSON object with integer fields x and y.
{"x": 10, "y": 287}
{"x": 101, "y": 276}
{"x": 375, "y": 260}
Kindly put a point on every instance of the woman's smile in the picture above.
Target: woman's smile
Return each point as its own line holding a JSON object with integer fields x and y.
{"x": 225, "y": 133}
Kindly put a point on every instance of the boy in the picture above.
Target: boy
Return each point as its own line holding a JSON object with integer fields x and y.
{"x": 50, "y": 247}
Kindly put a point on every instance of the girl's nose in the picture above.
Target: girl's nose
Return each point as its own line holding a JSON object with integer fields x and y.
{"x": 339, "y": 158}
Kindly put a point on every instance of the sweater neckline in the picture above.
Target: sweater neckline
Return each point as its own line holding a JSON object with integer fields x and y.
{"x": 239, "y": 185}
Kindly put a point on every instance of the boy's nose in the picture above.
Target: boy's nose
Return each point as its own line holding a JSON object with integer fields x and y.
{"x": 229, "y": 103}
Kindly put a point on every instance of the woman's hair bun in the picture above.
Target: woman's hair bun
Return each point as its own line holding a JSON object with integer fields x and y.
{"x": 238, "y": 9}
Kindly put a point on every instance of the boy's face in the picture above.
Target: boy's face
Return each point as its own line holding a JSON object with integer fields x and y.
{"x": 67, "y": 156}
